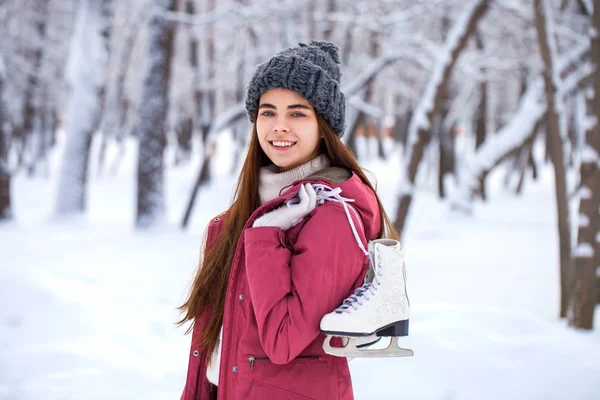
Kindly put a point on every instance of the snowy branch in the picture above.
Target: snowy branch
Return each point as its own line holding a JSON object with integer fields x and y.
{"x": 574, "y": 80}
{"x": 367, "y": 108}
{"x": 588, "y": 5}
{"x": 493, "y": 150}
{"x": 516, "y": 7}
{"x": 225, "y": 119}
{"x": 369, "y": 73}
{"x": 420, "y": 120}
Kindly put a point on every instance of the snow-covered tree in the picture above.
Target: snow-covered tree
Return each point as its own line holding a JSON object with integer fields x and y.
{"x": 152, "y": 116}
{"x": 87, "y": 76}
{"x": 556, "y": 137}
{"x": 587, "y": 253}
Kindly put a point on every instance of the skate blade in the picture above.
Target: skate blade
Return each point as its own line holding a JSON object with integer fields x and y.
{"x": 350, "y": 350}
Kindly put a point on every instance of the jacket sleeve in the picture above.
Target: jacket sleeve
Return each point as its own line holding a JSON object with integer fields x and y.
{"x": 291, "y": 292}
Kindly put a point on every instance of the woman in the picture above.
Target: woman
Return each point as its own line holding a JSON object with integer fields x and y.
{"x": 281, "y": 257}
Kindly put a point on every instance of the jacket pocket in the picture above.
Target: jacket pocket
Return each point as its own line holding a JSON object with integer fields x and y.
{"x": 252, "y": 359}
{"x": 263, "y": 391}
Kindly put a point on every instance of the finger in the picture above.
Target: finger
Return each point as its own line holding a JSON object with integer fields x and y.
{"x": 302, "y": 194}
{"x": 312, "y": 196}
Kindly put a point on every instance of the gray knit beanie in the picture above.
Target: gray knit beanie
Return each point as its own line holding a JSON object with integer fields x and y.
{"x": 312, "y": 71}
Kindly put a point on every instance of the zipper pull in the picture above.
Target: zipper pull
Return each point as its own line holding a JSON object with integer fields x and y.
{"x": 251, "y": 360}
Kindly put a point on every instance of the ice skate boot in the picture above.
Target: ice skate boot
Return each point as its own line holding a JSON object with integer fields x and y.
{"x": 379, "y": 307}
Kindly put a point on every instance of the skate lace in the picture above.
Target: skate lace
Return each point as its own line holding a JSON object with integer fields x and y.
{"x": 354, "y": 301}
{"x": 325, "y": 193}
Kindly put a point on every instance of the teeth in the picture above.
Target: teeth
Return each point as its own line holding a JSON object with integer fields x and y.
{"x": 282, "y": 144}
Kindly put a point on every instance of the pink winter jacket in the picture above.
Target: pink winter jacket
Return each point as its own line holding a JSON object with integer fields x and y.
{"x": 281, "y": 285}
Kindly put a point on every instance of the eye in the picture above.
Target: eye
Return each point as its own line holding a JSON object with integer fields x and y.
{"x": 297, "y": 114}
{"x": 267, "y": 113}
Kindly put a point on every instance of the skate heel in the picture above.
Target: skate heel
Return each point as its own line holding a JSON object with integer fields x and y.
{"x": 399, "y": 328}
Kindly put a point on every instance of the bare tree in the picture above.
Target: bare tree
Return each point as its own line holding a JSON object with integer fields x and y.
{"x": 153, "y": 112}
{"x": 87, "y": 69}
{"x": 548, "y": 50}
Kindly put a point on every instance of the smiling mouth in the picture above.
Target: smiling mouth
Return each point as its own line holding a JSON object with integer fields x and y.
{"x": 282, "y": 144}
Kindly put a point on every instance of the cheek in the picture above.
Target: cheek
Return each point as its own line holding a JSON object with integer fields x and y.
{"x": 261, "y": 131}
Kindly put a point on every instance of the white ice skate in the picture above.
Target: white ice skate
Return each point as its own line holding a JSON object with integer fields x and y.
{"x": 380, "y": 307}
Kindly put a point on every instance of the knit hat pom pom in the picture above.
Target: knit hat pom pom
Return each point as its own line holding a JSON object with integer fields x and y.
{"x": 329, "y": 48}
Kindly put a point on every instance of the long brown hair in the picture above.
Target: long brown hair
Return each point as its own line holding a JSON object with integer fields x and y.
{"x": 210, "y": 284}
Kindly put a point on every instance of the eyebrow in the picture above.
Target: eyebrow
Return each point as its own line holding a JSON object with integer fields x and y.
{"x": 290, "y": 107}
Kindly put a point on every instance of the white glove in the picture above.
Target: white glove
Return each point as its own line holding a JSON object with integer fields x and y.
{"x": 290, "y": 214}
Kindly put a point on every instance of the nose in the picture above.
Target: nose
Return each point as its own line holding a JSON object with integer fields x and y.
{"x": 281, "y": 126}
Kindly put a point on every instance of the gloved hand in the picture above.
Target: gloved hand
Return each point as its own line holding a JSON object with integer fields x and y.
{"x": 290, "y": 214}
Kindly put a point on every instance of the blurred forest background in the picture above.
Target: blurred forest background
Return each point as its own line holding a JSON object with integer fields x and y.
{"x": 455, "y": 88}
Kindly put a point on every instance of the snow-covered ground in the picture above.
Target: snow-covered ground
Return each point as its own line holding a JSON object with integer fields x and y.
{"x": 87, "y": 305}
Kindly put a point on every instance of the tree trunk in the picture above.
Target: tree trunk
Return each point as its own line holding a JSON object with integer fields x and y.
{"x": 47, "y": 122}
{"x": 207, "y": 94}
{"x": 87, "y": 70}
{"x": 153, "y": 113}
{"x": 585, "y": 290}
{"x": 117, "y": 104}
{"x": 545, "y": 33}
{"x": 5, "y": 208}
{"x": 481, "y": 116}
{"x": 30, "y": 108}
{"x": 445, "y": 143}
{"x": 352, "y": 131}
{"x": 329, "y": 25}
{"x": 526, "y": 158}
{"x": 419, "y": 132}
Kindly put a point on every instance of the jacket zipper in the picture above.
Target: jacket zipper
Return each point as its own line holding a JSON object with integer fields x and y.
{"x": 251, "y": 359}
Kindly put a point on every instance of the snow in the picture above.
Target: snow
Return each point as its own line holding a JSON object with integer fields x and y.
{"x": 584, "y": 250}
{"x": 589, "y": 122}
{"x": 589, "y": 154}
{"x": 585, "y": 193}
{"x": 584, "y": 221}
{"x": 87, "y": 306}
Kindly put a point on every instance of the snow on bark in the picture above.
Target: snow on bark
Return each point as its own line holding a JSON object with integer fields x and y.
{"x": 86, "y": 74}
{"x": 554, "y": 72}
{"x": 153, "y": 113}
{"x": 556, "y": 136}
{"x": 584, "y": 221}
{"x": 585, "y": 292}
{"x": 589, "y": 154}
{"x": 585, "y": 193}
{"x": 584, "y": 250}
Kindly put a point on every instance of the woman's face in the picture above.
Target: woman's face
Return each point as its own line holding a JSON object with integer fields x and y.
{"x": 287, "y": 128}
